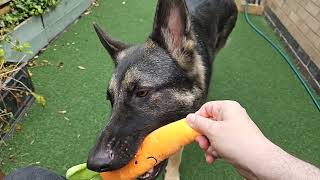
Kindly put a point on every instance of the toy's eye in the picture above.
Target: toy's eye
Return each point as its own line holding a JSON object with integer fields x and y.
{"x": 142, "y": 93}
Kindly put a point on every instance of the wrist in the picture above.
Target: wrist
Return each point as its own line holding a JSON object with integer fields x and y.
{"x": 268, "y": 161}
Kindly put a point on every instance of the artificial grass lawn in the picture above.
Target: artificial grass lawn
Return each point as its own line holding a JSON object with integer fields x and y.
{"x": 247, "y": 70}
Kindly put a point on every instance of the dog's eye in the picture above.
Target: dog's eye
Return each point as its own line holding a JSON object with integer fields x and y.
{"x": 142, "y": 93}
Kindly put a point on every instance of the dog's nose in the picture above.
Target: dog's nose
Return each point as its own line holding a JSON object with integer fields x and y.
{"x": 101, "y": 162}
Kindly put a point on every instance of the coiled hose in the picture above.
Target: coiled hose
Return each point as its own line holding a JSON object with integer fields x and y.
{"x": 284, "y": 56}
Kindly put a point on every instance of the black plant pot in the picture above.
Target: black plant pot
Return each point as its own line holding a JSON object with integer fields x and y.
{"x": 15, "y": 102}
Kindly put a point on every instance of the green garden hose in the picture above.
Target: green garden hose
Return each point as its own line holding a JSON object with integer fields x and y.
{"x": 285, "y": 57}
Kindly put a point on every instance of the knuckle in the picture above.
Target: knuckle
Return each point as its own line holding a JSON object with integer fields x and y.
{"x": 208, "y": 104}
{"x": 243, "y": 110}
{"x": 233, "y": 103}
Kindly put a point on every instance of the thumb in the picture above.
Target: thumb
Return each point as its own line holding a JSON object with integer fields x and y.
{"x": 201, "y": 124}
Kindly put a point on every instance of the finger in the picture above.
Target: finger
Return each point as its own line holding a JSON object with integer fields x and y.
{"x": 209, "y": 150}
{"x": 210, "y": 159}
{"x": 203, "y": 142}
{"x": 211, "y": 109}
{"x": 201, "y": 124}
{"x": 213, "y": 153}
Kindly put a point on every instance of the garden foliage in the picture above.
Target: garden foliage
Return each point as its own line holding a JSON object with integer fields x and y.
{"x": 22, "y": 9}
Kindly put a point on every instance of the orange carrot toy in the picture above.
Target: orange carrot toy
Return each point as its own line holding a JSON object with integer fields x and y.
{"x": 156, "y": 147}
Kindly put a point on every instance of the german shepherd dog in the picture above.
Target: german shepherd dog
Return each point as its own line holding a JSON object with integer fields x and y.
{"x": 162, "y": 80}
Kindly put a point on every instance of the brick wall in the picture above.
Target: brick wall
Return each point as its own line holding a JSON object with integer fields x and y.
{"x": 301, "y": 19}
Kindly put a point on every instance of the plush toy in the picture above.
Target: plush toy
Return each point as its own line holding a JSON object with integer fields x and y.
{"x": 156, "y": 147}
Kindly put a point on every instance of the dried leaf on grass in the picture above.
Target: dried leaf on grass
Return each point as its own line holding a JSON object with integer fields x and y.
{"x": 45, "y": 62}
{"x": 60, "y": 65}
{"x": 18, "y": 127}
{"x": 30, "y": 73}
{"x": 40, "y": 99}
{"x": 63, "y": 112}
{"x": 35, "y": 63}
{"x": 87, "y": 13}
{"x": 81, "y": 67}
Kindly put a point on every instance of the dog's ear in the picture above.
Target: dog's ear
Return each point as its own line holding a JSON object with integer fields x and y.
{"x": 114, "y": 47}
{"x": 171, "y": 28}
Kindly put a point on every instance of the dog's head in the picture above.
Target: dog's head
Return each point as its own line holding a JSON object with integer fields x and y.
{"x": 153, "y": 84}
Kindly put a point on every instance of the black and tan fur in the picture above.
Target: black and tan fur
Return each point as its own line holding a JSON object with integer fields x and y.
{"x": 163, "y": 79}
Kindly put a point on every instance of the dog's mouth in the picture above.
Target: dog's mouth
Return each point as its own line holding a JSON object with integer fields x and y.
{"x": 154, "y": 172}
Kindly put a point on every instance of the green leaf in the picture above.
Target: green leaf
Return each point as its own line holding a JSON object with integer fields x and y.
{"x": 1, "y": 56}
{"x": 1, "y": 53}
{"x": 39, "y": 99}
{"x": 22, "y": 9}
{"x": 17, "y": 43}
{"x": 26, "y": 45}
{"x": 10, "y": 114}
{"x": 81, "y": 172}
{"x": 17, "y": 48}
{"x": 7, "y": 128}
{"x": 29, "y": 52}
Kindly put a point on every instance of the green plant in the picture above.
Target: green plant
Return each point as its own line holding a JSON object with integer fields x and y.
{"x": 4, "y": 124}
{"x": 22, "y": 9}
{"x": 18, "y": 90}
{"x": 6, "y": 70}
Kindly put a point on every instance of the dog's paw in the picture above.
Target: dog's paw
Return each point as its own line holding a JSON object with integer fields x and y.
{"x": 170, "y": 176}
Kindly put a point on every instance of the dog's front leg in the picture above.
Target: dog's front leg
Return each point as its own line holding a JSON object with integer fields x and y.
{"x": 172, "y": 169}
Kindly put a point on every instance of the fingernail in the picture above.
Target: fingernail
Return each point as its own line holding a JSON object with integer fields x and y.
{"x": 190, "y": 119}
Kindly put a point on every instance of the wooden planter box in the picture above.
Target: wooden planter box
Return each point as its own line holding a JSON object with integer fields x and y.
{"x": 62, "y": 16}
{"x": 4, "y": 6}
{"x": 40, "y": 30}
{"x": 32, "y": 31}
{"x": 4, "y": 1}
{"x": 15, "y": 102}
{"x": 254, "y": 9}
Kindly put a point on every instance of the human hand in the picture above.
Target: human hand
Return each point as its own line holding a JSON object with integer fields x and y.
{"x": 228, "y": 133}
